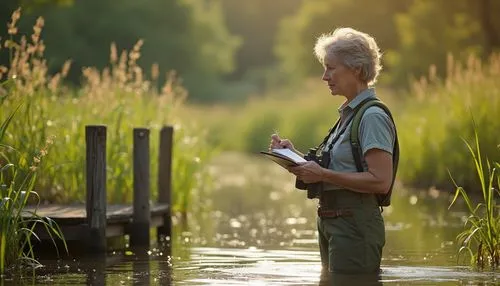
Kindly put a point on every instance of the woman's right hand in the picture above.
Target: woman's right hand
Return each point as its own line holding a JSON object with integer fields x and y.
{"x": 278, "y": 143}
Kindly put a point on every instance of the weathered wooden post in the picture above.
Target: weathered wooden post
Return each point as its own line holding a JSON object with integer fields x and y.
{"x": 141, "y": 221}
{"x": 165, "y": 180}
{"x": 95, "y": 139}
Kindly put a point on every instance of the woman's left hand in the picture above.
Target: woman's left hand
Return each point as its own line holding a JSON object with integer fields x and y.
{"x": 309, "y": 172}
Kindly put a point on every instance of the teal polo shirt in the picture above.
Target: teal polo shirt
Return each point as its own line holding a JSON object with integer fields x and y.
{"x": 376, "y": 130}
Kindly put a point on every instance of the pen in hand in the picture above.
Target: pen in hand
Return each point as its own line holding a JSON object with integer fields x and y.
{"x": 276, "y": 138}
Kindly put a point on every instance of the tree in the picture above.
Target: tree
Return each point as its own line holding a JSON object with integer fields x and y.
{"x": 489, "y": 23}
{"x": 298, "y": 32}
{"x": 185, "y": 35}
{"x": 430, "y": 30}
{"x": 256, "y": 22}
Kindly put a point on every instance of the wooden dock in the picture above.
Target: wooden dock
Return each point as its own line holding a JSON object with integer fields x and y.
{"x": 95, "y": 221}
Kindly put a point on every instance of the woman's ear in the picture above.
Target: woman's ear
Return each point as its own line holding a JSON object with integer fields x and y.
{"x": 357, "y": 72}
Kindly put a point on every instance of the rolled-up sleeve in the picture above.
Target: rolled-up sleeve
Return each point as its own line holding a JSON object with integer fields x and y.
{"x": 376, "y": 131}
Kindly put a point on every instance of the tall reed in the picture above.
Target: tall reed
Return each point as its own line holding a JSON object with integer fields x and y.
{"x": 17, "y": 226}
{"x": 481, "y": 235}
{"x": 437, "y": 111}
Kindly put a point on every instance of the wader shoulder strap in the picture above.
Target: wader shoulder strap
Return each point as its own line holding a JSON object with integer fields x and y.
{"x": 385, "y": 199}
{"x": 325, "y": 140}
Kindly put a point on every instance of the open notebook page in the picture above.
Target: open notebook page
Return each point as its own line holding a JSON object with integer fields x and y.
{"x": 289, "y": 154}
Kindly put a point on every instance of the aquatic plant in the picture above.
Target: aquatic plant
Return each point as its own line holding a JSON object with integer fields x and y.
{"x": 17, "y": 226}
{"x": 481, "y": 235}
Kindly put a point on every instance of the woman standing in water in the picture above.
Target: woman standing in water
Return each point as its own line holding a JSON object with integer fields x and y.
{"x": 350, "y": 225}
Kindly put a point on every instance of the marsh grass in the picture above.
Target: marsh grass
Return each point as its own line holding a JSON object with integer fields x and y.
{"x": 437, "y": 112}
{"x": 119, "y": 96}
{"x": 17, "y": 226}
{"x": 480, "y": 238}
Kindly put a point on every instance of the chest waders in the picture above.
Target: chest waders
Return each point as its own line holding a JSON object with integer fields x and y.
{"x": 350, "y": 225}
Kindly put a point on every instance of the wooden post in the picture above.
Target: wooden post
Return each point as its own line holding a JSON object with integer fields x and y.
{"x": 96, "y": 187}
{"x": 141, "y": 223}
{"x": 165, "y": 180}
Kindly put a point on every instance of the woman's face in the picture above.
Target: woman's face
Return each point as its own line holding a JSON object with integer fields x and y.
{"x": 340, "y": 79}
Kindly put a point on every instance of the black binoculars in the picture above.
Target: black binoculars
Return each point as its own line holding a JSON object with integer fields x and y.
{"x": 314, "y": 189}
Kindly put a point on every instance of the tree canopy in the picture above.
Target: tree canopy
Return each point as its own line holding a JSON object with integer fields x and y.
{"x": 214, "y": 42}
{"x": 179, "y": 35}
{"x": 413, "y": 34}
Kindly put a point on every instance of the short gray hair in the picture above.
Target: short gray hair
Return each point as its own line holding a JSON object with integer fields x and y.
{"x": 354, "y": 49}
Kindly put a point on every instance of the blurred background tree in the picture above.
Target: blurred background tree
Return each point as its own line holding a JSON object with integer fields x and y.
{"x": 226, "y": 50}
{"x": 429, "y": 30}
{"x": 256, "y": 22}
{"x": 413, "y": 34}
{"x": 297, "y": 33}
{"x": 185, "y": 35}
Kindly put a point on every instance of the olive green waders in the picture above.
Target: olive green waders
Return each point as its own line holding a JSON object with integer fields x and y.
{"x": 351, "y": 232}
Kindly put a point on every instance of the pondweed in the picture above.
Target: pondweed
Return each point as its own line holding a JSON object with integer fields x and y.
{"x": 481, "y": 236}
{"x": 17, "y": 227}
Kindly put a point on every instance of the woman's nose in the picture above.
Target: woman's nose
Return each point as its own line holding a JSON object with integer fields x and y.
{"x": 325, "y": 77}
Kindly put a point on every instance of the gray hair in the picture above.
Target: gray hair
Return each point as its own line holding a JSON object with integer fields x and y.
{"x": 354, "y": 49}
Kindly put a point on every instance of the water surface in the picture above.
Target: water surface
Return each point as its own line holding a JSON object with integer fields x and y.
{"x": 254, "y": 228}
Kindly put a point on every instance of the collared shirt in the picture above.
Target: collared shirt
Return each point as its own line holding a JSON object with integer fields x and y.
{"x": 376, "y": 130}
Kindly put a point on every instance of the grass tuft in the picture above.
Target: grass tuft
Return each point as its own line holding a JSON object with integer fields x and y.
{"x": 480, "y": 238}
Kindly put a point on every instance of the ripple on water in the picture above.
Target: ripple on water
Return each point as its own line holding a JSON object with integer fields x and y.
{"x": 221, "y": 266}
{"x": 436, "y": 274}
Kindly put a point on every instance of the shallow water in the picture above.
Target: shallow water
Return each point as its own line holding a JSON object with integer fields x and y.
{"x": 251, "y": 266}
{"x": 255, "y": 229}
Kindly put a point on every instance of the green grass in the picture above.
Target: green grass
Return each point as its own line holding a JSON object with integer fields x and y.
{"x": 16, "y": 190}
{"x": 481, "y": 235}
{"x": 437, "y": 114}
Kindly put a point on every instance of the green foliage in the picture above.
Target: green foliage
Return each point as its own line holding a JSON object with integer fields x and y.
{"x": 437, "y": 112}
{"x": 248, "y": 19}
{"x": 412, "y": 34}
{"x": 428, "y": 119}
{"x": 179, "y": 35}
{"x": 17, "y": 227}
{"x": 303, "y": 116}
{"x": 481, "y": 236}
{"x": 422, "y": 44}
{"x": 118, "y": 96}
{"x": 298, "y": 33}
{"x": 226, "y": 50}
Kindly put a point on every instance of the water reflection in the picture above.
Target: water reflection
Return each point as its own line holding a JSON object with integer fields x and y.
{"x": 262, "y": 232}
{"x": 237, "y": 266}
{"x": 349, "y": 280}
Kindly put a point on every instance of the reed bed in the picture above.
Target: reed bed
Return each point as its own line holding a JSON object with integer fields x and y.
{"x": 439, "y": 112}
{"x": 119, "y": 96}
{"x": 49, "y": 111}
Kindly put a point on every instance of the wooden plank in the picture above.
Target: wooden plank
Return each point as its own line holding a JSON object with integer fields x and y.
{"x": 79, "y": 232}
{"x": 95, "y": 139}
{"x": 165, "y": 179}
{"x": 141, "y": 215}
{"x": 75, "y": 214}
